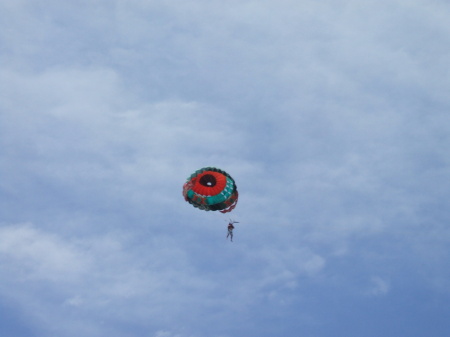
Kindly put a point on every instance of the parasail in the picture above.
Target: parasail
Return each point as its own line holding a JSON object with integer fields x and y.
{"x": 211, "y": 189}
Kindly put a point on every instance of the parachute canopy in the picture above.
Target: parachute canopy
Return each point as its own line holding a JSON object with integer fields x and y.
{"x": 211, "y": 189}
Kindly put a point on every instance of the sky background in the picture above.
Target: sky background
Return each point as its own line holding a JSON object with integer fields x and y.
{"x": 332, "y": 117}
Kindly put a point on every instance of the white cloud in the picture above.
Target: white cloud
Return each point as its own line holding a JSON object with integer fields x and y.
{"x": 94, "y": 274}
{"x": 31, "y": 254}
{"x": 112, "y": 272}
{"x": 166, "y": 333}
{"x": 378, "y": 286}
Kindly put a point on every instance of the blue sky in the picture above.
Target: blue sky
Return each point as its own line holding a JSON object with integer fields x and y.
{"x": 331, "y": 116}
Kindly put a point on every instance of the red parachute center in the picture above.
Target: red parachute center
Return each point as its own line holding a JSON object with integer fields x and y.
{"x": 209, "y": 183}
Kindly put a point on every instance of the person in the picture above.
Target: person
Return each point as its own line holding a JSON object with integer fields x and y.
{"x": 230, "y": 229}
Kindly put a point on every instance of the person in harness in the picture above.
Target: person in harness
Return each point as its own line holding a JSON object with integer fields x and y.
{"x": 230, "y": 229}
